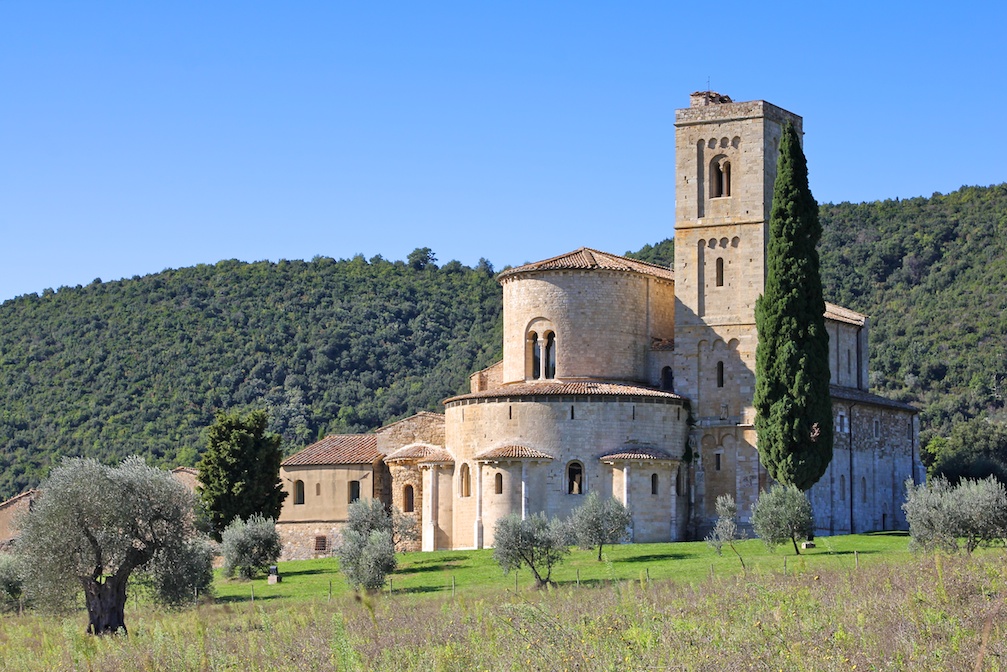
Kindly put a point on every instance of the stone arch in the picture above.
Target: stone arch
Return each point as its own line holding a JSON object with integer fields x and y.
{"x": 576, "y": 483}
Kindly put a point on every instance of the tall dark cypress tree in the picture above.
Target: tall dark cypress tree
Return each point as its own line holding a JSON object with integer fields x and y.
{"x": 792, "y": 402}
{"x": 239, "y": 474}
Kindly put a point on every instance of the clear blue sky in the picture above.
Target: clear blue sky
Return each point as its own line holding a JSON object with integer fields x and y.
{"x": 139, "y": 136}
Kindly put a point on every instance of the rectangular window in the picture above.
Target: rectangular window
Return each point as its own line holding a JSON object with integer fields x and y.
{"x": 321, "y": 544}
{"x": 354, "y": 491}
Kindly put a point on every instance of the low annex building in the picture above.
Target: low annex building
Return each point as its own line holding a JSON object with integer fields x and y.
{"x": 627, "y": 379}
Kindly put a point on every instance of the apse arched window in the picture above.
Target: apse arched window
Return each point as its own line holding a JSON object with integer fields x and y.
{"x": 720, "y": 271}
{"x": 498, "y": 484}
{"x": 550, "y": 355}
{"x": 653, "y": 484}
{"x": 720, "y": 374}
{"x": 298, "y": 492}
{"x": 408, "y": 499}
{"x": 667, "y": 379}
{"x": 465, "y": 482}
{"x": 575, "y": 478}
{"x": 536, "y": 356}
{"x": 354, "y": 491}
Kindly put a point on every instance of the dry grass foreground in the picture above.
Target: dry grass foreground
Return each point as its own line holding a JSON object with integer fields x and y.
{"x": 916, "y": 613}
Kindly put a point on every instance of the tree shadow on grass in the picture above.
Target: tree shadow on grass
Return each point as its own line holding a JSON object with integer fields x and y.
{"x": 825, "y": 551}
{"x": 656, "y": 557}
{"x": 307, "y": 572}
{"x": 441, "y": 559}
{"x": 422, "y": 570}
{"x": 887, "y": 533}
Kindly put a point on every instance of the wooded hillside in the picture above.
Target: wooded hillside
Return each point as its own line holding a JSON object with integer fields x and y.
{"x": 140, "y": 365}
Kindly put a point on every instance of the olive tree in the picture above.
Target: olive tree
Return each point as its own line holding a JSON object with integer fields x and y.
{"x": 781, "y": 514}
{"x": 939, "y": 514}
{"x": 726, "y": 529}
{"x": 600, "y": 521}
{"x": 249, "y": 547}
{"x": 367, "y": 550}
{"x": 94, "y": 526}
{"x": 537, "y": 543}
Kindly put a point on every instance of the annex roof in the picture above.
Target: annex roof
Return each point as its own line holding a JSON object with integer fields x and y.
{"x": 860, "y": 396}
{"x": 633, "y": 452}
{"x": 840, "y": 314}
{"x": 337, "y": 449}
{"x": 561, "y": 389}
{"x": 420, "y": 452}
{"x": 586, "y": 259}
{"x": 513, "y": 453}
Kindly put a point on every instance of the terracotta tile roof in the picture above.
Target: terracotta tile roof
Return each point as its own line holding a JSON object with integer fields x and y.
{"x": 631, "y": 452}
{"x": 560, "y": 389}
{"x": 860, "y": 396}
{"x": 337, "y": 449}
{"x": 420, "y": 452}
{"x": 185, "y": 470}
{"x": 513, "y": 453}
{"x": 840, "y": 314}
{"x": 586, "y": 259}
{"x": 27, "y": 494}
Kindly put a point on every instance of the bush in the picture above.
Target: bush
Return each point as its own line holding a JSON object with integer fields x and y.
{"x": 783, "y": 513}
{"x": 726, "y": 529}
{"x": 536, "y": 542}
{"x": 369, "y": 515}
{"x": 600, "y": 521}
{"x": 366, "y": 559}
{"x": 939, "y": 514}
{"x": 11, "y": 583}
{"x": 179, "y": 578}
{"x": 250, "y": 547}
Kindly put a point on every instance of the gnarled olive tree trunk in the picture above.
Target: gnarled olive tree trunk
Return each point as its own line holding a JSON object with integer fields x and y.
{"x": 106, "y": 605}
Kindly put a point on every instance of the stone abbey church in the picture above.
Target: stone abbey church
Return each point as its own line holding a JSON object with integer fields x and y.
{"x": 626, "y": 379}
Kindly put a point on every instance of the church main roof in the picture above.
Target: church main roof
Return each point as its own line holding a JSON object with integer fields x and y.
{"x": 586, "y": 259}
{"x": 561, "y": 389}
{"x": 337, "y": 449}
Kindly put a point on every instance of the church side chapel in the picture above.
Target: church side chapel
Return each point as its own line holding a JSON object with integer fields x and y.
{"x": 626, "y": 379}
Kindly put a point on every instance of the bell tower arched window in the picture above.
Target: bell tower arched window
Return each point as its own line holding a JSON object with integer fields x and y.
{"x": 667, "y": 379}
{"x": 536, "y": 356}
{"x": 550, "y": 355}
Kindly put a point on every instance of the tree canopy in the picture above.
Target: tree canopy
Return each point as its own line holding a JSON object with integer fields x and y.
{"x": 239, "y": 475}
{"x": 93, "y": 526}
{"x": 792, "y": 401}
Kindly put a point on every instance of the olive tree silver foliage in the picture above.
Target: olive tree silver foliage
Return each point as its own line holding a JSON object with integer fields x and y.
{"x": 367, "y": 550}
{"x": 783, "y": 514}
{"x": 249, "y": 547}
{"x": 940, "y": 514}
{"x": 600, "y": 521}
{"x": 726, "y": 531}
{"x": 537, "y": 543}
{"x": 95, "y": 526}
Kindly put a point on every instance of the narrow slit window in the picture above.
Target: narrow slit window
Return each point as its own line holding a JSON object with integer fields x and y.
{"x": 298, "y": 492}
{"x": 717, "y": 462}
{"x": 720, "y": 374}
{"x": 842, "y": 487}
{"x": 550, "y": 355}
{"x": 465, "y": 482}
{"x": 716, "y": 181}
{"x": 408, "y": 499}
{"x": 536, "y": 357}
{"x": 498, "y": 484}
{"x": 720, "y": 271}
{"x": 318, "y": 489}
{"x": 653, "y": 484}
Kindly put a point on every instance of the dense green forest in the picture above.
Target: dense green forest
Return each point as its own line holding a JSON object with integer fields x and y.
{"x": 140, "y": 365}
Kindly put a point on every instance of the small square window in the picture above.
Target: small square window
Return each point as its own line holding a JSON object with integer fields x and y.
{"x": 321, "y": 544}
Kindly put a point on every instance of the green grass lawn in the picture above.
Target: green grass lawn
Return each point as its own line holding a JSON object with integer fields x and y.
{"x": 474, "y": 573}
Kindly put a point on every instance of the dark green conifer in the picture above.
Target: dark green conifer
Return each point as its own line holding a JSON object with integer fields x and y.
{"x": 239, "y": 474}
{"x": 792, "y": 401}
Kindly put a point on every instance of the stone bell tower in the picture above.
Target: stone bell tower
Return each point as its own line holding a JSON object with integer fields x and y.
{"x": 726, "y": 155}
